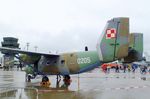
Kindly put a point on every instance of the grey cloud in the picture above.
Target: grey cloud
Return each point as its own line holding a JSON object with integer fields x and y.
{"x": 68, "y": 25}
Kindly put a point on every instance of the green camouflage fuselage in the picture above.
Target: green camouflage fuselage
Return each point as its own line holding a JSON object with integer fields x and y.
{"x": 69, "y": 63}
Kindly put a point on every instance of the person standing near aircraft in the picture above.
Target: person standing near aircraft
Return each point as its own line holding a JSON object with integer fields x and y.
{"x": 108, "y": 69}
{"x": 129, "y": 67}
{"x": 124, "y": 68}
{"x": 20, "y": 65}
{"x": 117, "y": 68}
{"x": 133, "y": 67}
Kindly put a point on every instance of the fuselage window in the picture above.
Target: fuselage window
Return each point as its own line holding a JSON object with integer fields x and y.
{"x": 48, "y": 63}
{"x": 62, "y": 61}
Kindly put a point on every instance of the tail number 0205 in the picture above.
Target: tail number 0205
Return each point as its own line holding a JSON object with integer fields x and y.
{"x": 84, "y": 60}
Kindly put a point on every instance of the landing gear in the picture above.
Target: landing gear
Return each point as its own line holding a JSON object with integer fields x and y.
{"x": 67, "y": 80}
{"x": 45, "y": 82}
{"x": 29, "y": 77}
{"x": 45, "y": 79}
{"x": 58, "y": 79}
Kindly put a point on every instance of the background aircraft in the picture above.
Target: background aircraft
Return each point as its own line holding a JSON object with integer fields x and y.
{"x": 113, "y": 44}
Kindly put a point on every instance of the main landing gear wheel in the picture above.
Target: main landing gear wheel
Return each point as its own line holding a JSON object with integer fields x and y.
{"x": 28, "y": 77}
{"x": 67, "y": 80}
{"x": 45, "y": 82}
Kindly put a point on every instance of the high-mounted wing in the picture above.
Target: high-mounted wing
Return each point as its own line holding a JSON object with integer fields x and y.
{"x": 12, "y": 50}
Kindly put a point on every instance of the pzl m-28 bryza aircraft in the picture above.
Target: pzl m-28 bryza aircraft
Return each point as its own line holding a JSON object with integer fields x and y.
{"x": 113, "y": 44}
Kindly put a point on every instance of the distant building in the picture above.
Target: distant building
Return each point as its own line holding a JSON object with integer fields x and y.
{"x": 8, "y": 57}
{"x": 9, "y": 42}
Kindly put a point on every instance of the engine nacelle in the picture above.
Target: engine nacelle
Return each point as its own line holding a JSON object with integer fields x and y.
{"x": 30, "y": 59}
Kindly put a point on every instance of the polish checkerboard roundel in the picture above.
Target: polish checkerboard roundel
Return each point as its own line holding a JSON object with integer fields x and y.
{"x": 110, "y": 33}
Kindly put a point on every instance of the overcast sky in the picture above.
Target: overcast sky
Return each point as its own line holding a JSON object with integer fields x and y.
{"x": 68, "y": 25}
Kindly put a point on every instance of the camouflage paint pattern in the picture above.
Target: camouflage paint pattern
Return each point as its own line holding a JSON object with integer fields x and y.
{"x": 136, "y": 42}
{"x": 114, "y": 48}
{"x": 72, "y": 63}
{"x": 135, "y": 48}
{"x": 30, "y": 59}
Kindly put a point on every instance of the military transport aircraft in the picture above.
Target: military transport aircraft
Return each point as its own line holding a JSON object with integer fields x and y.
{"x": 113, "y": 44}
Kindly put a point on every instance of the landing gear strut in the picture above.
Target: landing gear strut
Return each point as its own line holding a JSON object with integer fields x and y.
{"x": 58, "y": 79}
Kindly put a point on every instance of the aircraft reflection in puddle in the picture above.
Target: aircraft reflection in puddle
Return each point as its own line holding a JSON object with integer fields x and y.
{"x": 39, "y": 92}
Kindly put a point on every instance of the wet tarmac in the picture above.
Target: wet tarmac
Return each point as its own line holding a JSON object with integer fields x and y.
{"x": 93, "y": 85}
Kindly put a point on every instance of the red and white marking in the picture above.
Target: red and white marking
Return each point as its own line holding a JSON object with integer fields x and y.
{"x": 110, "y": 33}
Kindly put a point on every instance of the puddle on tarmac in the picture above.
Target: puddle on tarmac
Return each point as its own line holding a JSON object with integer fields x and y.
{"x": 45, "y": 93}
{"x": 90, "y": 86}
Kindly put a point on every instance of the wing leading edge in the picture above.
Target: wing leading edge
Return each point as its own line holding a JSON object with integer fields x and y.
{"x": 12, "y": 50}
